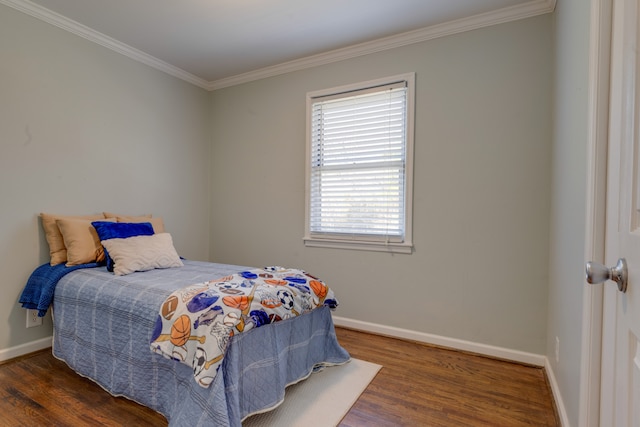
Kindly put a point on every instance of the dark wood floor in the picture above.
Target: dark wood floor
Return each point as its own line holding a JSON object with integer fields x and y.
{"x": 419, "y": 385}
{"x": 422, "y": 385}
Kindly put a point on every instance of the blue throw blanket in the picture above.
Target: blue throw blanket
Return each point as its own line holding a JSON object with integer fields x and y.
{"x": 38, "y": 292}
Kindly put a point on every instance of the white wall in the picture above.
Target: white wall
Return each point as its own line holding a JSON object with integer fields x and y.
{"x": 568, "y": 202}
{"x": 482, "y": 186}
{"x": 82, "y": 130}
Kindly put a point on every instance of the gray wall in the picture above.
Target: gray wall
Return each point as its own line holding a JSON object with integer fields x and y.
{"x": 84, "y": 129}
{"x": 568, "y": 201}
{"x": 482, "y": 186}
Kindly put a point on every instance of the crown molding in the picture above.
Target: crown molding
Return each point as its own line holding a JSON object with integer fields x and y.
{"x": 512, "y": 13}
{"x": 85, "y": 32}
{"x": 507, "y": 14}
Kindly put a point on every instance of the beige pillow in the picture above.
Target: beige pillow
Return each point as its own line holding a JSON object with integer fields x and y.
{"x": 124, "y": 217}
{"x": 142, "y": 253}
{"x": 81, "y": 240}
{"x": 156, "y": 223}
{"x": 57, "y": 249}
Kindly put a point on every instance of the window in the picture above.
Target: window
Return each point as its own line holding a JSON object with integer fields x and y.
{"x": 359, "y": 165}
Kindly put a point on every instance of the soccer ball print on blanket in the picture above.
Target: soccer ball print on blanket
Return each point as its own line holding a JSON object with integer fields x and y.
{"x": 195, "y": 323}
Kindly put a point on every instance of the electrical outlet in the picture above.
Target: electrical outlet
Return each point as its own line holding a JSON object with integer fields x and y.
{"x": 33, "y": 319}
{"x": 557, "y": 350}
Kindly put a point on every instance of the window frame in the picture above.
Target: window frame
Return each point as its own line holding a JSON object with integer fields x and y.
{"x": 363, "y": 242}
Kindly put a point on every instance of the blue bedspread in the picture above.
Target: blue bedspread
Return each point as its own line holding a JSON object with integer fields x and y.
{"x": 103, "y": 325}
{"x": 41, "y": 285}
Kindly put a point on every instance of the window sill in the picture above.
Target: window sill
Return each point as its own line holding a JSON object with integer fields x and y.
{"x": 396, "y": 248}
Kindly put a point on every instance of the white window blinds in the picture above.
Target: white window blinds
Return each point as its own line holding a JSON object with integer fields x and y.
{"x": 358, "y": 155}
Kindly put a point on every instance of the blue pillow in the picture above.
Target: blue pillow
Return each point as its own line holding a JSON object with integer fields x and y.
{"x": 120, "y": 230}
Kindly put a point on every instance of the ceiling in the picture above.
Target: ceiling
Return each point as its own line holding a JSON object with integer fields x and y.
{"x": 210, "y": 42}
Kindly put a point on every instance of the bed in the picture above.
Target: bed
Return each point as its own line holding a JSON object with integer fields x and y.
{"x": 103, "y": 325}
{"x": 111, "y": 281}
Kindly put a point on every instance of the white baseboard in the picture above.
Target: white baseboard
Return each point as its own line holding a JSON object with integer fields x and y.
{"x": 21, "y": 350}
{"x": 562, "y": 411}
{"x": 484, "y": 349}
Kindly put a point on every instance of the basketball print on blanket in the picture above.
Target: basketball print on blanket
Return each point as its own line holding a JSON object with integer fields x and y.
{"x": 195, "y": 323}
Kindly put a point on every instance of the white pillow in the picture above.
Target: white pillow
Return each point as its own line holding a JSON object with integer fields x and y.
{"x": 142, "y": 253}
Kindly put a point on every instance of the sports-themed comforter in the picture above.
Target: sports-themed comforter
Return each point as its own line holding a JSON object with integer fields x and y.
{"x": 195, "y": 323}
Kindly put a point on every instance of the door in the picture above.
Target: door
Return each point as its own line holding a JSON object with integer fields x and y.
{"x": 620, "y": 373}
